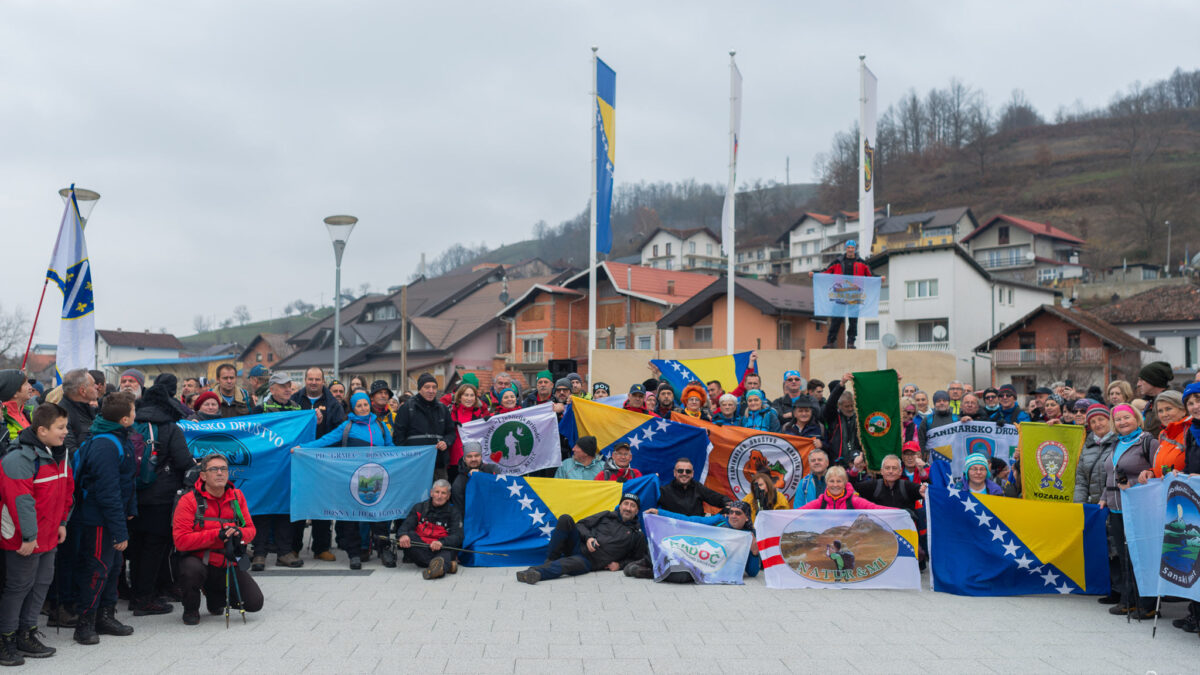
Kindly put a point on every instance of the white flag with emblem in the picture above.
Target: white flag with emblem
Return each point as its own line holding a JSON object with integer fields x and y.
{"x": 518, "y": 442}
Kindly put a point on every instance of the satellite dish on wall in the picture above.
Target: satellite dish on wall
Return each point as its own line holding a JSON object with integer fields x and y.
{"x": 1029, "y": 255}
{"x": 939, "y": 333}
{"x": 888, "y": 341}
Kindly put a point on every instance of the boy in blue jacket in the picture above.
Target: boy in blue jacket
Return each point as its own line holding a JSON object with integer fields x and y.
{"x": 106, "y": 500}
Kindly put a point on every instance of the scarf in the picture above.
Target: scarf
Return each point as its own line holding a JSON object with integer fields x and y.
{"x": 1124, "y": 443}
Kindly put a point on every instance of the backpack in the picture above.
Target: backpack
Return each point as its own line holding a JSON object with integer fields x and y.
{"x": 81, "y": 456}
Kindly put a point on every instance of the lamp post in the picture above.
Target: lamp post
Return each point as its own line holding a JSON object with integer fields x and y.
{"x": 84, "y": 199}
{"x": 339, "y": 231}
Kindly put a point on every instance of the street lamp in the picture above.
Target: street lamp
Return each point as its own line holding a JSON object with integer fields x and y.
{"x": 339, "y": 231}
{"x": 84, "y": 199}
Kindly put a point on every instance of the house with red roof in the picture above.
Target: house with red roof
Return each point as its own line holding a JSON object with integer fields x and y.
{"x": 692, "y": 249}
{"x": 1013, "y": 248}
{"x": 550, "y": 321}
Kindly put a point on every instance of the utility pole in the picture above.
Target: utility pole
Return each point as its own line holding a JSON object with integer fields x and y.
{"x": 1168, "y": 224}
{"x": 404, "y": 339}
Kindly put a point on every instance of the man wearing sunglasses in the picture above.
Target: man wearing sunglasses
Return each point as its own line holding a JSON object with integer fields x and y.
{"x": 1010, "y": 412}
{"x": 684, "y": 495}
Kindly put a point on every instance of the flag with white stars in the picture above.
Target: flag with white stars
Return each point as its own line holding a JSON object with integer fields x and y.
{"x": 991, "y": 545}
{"x": 656, "y": 443}
{"x": 728, "y": 370}
{"x": 71, "y": 271}
{"x": 516, "y": 516}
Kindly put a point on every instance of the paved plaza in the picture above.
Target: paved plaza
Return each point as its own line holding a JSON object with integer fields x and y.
{"x": 326, "y": 619}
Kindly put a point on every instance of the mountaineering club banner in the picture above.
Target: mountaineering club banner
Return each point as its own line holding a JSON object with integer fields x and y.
{"x": 258, "y": 448}
{"x": 877, "y": 399}
{"x": 990, "y": 545}
{"x": 728, "y": 370}
{"x": 738, "y": 453}
{"x": 71, "y": 272}
{"x": 838, "y": 549}
{"x": 846, "y": 296}
{"x": 514, "y": 516}
{"x": 1162, "y": 526}
{"x": 711, "y": 555}
{"x": 953, "y": 442}
{"x": 1049, "y": 457}
{"x": 656, "y": 443}
{"x": 518, "y": 442}
{"x": 360, "y": 483}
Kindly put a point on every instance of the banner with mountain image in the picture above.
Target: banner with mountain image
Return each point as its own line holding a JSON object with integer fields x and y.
{"x": 877, "y": 399}
{"x": 1162, "y": 526}
{"x": 1049, "y": 456}
{"x": 360, "y": 483}
{"x": 518, "y": 442}
{"x": 953, "y": 442}
{"x": 258, "y": 448}
{"x": 846, "y": 296}
{"x": 838, "y": 549}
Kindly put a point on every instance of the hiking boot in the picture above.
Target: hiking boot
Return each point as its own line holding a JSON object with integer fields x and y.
{"x": 150, "y": 607}
{"x": 9, "y": 656}
{"x": 436, "y": 569}
{"x": 1141, "y": 614}
{"x": 1118, "y": 610}
{"x": 356, "y": 563}
{"x": 1187, "y": 624}
{"x": 29, "y": 644}
{"x": 327, "y": 556}
{"x": 107, "y": 624}
{"x": 85, "y": 630}
{"x": 366, "y": 554}
{"x": 191, "y": 617}
{"x": 453, "y": 569}
{"x": 289, "y": 559}
{"x": 258, "y": 563}
{"x": 529, "y": 576}
{"x": 1110, "y": 599}
{"x": 639, "y": 570}
{"x": 61, "y": 617}
{"x": 387, "y": 556}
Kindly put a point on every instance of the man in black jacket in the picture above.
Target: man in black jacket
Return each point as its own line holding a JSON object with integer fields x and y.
{"x": 432, "y": 524}
{"x": 684, "y": 495}
{"x": 79, "y": 398}
{"x": 608, "y": 540}
{"x": 892, "y": 489}
{"x": 161, "y": 464}
{"x": 425, "y": 421}
{"x": 841, "y": 424}
{"x": 330, "y": 414}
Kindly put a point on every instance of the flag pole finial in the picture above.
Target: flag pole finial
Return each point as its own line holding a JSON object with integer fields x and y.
{"x": 732, "y": 52}
{"x": 595, "y": 49}
{"x": 862, "y": 57}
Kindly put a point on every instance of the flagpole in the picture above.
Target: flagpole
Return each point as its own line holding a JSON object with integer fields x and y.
{"x": 731, "y": 192}
{"x": 593, "y": 108}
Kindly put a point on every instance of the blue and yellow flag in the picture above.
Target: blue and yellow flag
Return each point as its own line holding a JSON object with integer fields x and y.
{"x": 990, "y": 545}
{"x": 606, "y": 152}
{"x": 728, "y": 370}
{"x": 515, "y": 516}
{"x": 656, "y": 443}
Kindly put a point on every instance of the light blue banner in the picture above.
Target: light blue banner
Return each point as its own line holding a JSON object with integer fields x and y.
{"x": 360, "y": 483}
{"x": 1162, "y": 526}
{"x": 712, "y": 555}
{"x": 258, "y": 448}
{"x": 845, "y": 296}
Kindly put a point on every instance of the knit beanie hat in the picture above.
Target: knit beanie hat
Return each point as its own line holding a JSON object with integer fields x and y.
{"x": 756, "y": 392}
{"x": 472, "y": 446}
{"x": 424, "y": 379}
{"x": 588, "y": 445}
{"x": 358, "y": 395}
{"x": 940, "y": 395}
{"x": 544, "y": 375}
{"x": 10, "y": 383}
{"x": 665, "y": 386}
{"x": 563, "y": 383}
{"x": 471, "y": 378}
{"x": 135, "y": 374}
{"x": 204, "y": 396}
{"x": 1097, "y": 410}
{"x": 976, "y": 459}
{"x": 1191, "y": 389}
{"x": 1157, "y": 374}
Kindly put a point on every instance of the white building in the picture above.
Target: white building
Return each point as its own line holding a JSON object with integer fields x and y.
{"x": 117, "y": 346}
{"x": 1167, "y": 318}
{"x": 761, "y": 256}
{"x": 938, "y": 298}
{"x": 816, "y": 240}
{"x": 696, "y": 249}
{"x": 1020, "y": 249}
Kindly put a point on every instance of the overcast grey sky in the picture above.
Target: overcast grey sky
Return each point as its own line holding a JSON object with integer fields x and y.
{"x": 221, "y": 133}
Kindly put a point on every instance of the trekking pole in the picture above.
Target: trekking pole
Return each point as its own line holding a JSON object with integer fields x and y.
{"x": 226, "y": 597}
{"x": 237, "y": 591}
{"x": 421, "y": 544}
{"x": 1157, "y": 608}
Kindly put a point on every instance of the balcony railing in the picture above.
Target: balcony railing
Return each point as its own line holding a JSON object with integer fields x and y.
{"x": 1006, "y": 261}
{"x": 533, "y": 357}
{"x": 925, "y": 346}
{"x": 1047, "y": 357}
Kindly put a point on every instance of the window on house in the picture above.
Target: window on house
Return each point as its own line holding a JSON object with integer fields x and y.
{"x": 1148, "y": 273}
{"x": 810, "y": 230}
{"x": 760, "y": 254}
{"x": 691, "y": 262}
{"x": 270, "y": 357}
{"x": 784, "y": 340}
{"x": 691, "y": 247}
{"x": 1151, "y": 341}
{"x": 654, "y": 251}
{"x": 619, "y": 343}
{"x": 644, "y": 342}
{"x": 927, "y": 331}
{"x": 702, "y": 334}
{"x": 885, "y": 293}
{"x": 1010, "y": 296}
{"x": 1002, "y": 234}
{"x": 1027, "y": 340}
{"x": 1073, "y": 337}
{"x": 924, "y": 288}
{"x": 668, "y": 248}
{"x": 531, "y": 350}
{"x": 708, "y": 249}
{"x": 760, "y": 267}
{"x": 871, "y": 331}
{"x": 668, "y": 264}
{"x": 741, "y": 257}
{"x": 1190, "y": 359}
{"x": 258, "y": 357}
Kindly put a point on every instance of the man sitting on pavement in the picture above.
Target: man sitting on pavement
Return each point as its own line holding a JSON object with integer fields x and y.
{"x": 430, "y": 525}
{"x": 608, "y": 540}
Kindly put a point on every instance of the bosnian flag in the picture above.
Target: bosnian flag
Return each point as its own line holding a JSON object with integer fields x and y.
{"x": 70, "y": 270}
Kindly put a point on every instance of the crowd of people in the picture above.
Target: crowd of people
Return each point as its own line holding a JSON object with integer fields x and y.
{"x": 102, "y": 498}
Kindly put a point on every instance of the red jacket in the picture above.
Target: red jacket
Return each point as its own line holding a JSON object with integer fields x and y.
{"x": 1171, "y": 443}
{"x": 619, "y": 475}
{"x": 461, "y": 415}
{"x": 37, "y": 493}
{"x": 847, "y": 500}
{"x": 858, "y": 269}
{"x": 635, "y": 409}
{"x": 203, "y": 541}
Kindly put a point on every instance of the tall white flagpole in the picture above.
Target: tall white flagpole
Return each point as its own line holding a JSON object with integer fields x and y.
{"x": 727, "y": 217}
{"x": 593, "y": 107}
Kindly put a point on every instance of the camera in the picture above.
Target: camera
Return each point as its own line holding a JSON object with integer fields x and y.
{"x": 1122, "y": 478}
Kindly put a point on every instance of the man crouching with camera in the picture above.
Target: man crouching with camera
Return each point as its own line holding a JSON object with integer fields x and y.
{"x": 211, "y": 528}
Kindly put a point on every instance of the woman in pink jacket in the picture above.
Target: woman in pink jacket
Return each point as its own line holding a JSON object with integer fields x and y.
{"x": 839, "y": 494}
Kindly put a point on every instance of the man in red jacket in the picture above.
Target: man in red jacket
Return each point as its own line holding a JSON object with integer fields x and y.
{"x": 850, "y": 265}
{"x": 206, "y": 534}
{"x": 37, "y": 488}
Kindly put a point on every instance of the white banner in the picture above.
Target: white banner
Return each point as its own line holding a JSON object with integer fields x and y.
{"x": 518, "y": 442}
{"x": 954, "y": 442}
{"x": 838, "y": 549}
